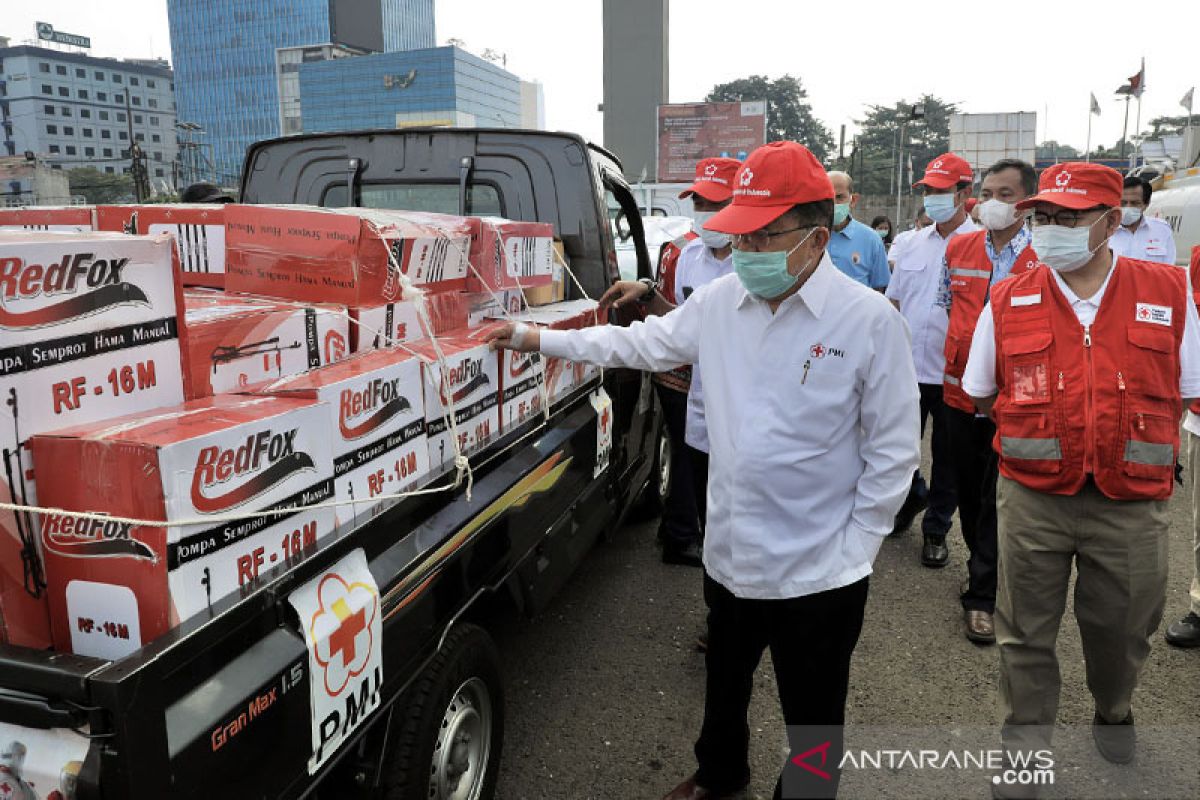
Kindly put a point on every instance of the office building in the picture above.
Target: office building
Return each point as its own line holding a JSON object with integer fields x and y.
{"x": 533, "y": 106}
{"x": 228, "y": 71}
{"x": 70, "y": 109}
{"x": 435, "y": 86}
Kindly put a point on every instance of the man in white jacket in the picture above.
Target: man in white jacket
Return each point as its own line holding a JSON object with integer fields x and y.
{"x": 811, "y": 409}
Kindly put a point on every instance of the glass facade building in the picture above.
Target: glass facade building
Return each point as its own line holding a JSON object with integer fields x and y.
{"x": 435, "y": 86}
{"x": 226, "y": 76}
{"x": 75, "y": 110}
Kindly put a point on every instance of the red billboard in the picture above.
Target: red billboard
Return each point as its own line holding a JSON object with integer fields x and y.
{"x": 688, "y": 132}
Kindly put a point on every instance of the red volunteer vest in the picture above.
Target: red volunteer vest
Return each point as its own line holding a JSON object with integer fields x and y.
{"x": 1194, "y": 271}
{"x": 1103, "y": 400}
{"x": 680, "y": 378}
{"x": 970, "y": 276}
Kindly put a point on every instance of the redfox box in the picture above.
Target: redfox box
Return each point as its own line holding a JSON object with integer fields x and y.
{"x": 506, "y": 254}
{"x": 469, "y": 387}
{"x": 198, "y": 228}
{"x": 236, "y": 343}
{"x": 522, "y": 382}
{"x": 112, "y": 586}
{"x": 62, "y": 219}
{"x": 348, "y": 256}
{"x": 376, "y": 422}
{"x": 88, "y": 330}
{"x": 394, "y": 323}
{"x": 563, "y": 377}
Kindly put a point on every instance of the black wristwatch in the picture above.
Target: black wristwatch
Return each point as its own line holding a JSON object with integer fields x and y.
{"x": 650, "y": 289}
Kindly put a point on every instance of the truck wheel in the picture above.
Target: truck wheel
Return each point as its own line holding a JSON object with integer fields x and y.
{"x": 653, "y": 498}
{"x": 451, "y": 725}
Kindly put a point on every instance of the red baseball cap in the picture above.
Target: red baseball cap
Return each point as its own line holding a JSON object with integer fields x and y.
{"x": 714, "y": 179}
{"x": 776, "y": 177}
{"x": 945, "y": 171}
{"x": 1078, "y": 185}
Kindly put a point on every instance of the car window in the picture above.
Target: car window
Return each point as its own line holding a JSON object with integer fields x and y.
{"x": 482, "y": 200}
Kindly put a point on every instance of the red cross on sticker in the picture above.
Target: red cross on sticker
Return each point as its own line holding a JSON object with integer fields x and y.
{"x": 817, "y": 350}
{"x": 1157, "y": 315}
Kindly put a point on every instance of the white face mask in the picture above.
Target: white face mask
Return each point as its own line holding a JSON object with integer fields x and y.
{"x": 996, "y": 215}
{"x": 1064, "y": 249}
{"x": 1130, "y": 215}
{"x": 711, "y": 239}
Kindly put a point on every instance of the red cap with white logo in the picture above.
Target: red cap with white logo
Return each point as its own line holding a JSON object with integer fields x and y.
{"x": 714, "y": 179}
{"x": 1078, "y": 185}
{"x": 776, "y": 177}
{"x": 945, "y": 171}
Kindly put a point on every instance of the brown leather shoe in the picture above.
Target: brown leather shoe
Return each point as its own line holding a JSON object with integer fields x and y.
{"x": 690, "y": 790}
{"x": 979, "y": 627}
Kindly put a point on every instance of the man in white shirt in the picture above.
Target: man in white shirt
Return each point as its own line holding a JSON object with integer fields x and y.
{"x": 1142, "y": 237}
{"x": 811, "y": 416}
{"x": 914, "y": 288}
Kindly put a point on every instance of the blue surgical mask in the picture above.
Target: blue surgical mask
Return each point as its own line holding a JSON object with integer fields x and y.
{"x": 766, "y": 274}
{"x": 840, "y": 212}
{"x": 940, "y": 207}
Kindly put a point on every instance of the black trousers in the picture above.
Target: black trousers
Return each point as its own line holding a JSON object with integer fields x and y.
{"x": 811, "y": 640}
{"x": 940, "y": 491}
{"x": 699, "y": 464}
{"x": 976, "y": 466}
{"x": 680, "y": 524}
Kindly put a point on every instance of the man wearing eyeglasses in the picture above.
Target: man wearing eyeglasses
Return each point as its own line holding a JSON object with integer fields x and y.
{"x": 1084, "y": 363}
{"x": 811, "y": 407}
{"x": 914, "y": 287}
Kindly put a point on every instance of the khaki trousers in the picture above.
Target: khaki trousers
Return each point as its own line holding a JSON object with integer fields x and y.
{"x": 1119, "y": 550}
{"x": 1193, "y": 465}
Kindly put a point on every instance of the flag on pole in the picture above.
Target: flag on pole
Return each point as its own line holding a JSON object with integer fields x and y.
{"x": 1137, "y": 83}
{"x": 1095, "y": 105}
{"x": 1186, "y": 100}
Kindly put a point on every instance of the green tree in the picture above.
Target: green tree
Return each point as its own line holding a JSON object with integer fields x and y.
{"x": 99, "y": 187}
{"x": 926, "y": 134}
{"x": 1051, "y": 150}
{"x": 789, "y": 115}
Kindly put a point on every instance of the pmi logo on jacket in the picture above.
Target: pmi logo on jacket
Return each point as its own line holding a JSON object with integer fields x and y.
{"x": 76, "y": 286}
{"x": 225, "y": 478}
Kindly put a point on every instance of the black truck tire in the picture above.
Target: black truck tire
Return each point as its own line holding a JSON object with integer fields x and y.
{"x": 450, "y": 725}
{"x": 653, "y": 497}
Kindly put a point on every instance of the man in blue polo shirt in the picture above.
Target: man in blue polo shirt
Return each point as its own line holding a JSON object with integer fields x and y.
{"x": 855, "y": 249}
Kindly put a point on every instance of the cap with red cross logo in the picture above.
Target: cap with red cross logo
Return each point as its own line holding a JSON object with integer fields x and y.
{"x": 1078, "y": 185}
{"x": 714, "y": 179}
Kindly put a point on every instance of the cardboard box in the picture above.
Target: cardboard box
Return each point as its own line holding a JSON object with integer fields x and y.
{"x": 375, "y": 406}
{"x": 506, "y": 254}
{"x": 564, "y": 377}
{"x": 394, "y": 323}
{"x": 347, "y": 256}
{"x": 63, "y": 219}
{"x": 556, "y": 290}
{"x": 114, "y": 587}
{"x": 522, "y": 381}
{"x": 89, "y": 330}
{"x": 198, "y": 228}
{"x": 471, "y": 391}
{"x": 237, "y": 342}
{"x": 484, "y": 306}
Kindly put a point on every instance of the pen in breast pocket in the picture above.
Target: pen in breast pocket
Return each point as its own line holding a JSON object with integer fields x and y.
{"x": 807, "y": 364}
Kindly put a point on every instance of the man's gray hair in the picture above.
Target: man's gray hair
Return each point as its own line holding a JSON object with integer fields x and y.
{"x": 846, "y": 175}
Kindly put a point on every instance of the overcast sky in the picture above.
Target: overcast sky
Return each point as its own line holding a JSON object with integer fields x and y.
{"x": 986, "y": 57}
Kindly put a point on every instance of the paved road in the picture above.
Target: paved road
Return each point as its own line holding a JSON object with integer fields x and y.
{"x": 605, "y": 690}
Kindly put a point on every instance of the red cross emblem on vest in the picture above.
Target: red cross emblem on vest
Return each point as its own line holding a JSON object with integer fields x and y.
{"x": 817, "y": 350}
{"x": 1143, "y": 313}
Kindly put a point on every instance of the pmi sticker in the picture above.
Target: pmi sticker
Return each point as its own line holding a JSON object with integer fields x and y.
{"x": 342, "y": 624}
{"x": 1158, "y": 315}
